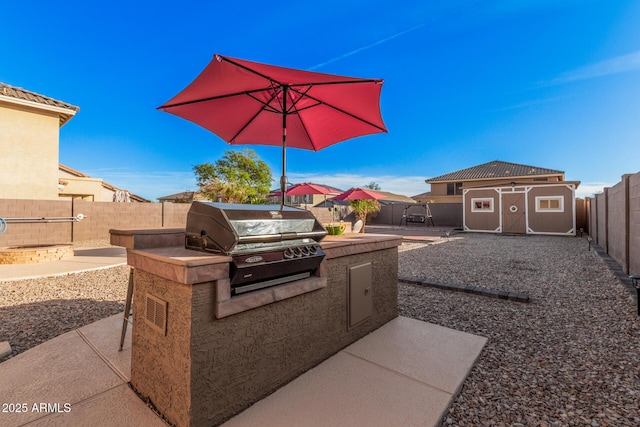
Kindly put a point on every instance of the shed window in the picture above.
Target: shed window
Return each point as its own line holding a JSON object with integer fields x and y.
{"x": 549, "y": 204}
{"x": 482, "y": 205}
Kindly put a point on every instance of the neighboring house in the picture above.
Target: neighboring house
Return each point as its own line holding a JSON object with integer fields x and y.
{"x": 29, "y": 142}
{"x": 188, "y": 197}
{"x": 29, "y": 138}
{"x": 184, "y": 197}
{"x": 306, "y": 200}
{"x": 502, "y": 197}
{"x": 392, "y": 198}
{"x": 76, "y": 185}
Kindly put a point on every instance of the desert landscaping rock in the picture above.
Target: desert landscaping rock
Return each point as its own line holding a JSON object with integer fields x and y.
{"x": 36, "y": 310}
{"x": 569, "y": 357}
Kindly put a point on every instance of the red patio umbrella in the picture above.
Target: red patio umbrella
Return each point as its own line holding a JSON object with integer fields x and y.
{"x": 359, "y": 194}
{"x": 245, "y": 102}
{"x": 306, "y": 188}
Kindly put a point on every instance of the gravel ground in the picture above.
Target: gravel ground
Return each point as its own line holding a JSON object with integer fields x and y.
{"x": 36, "y": 310}
{"x": 570, "y": 357}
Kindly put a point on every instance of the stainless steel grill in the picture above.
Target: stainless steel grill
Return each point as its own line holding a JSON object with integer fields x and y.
{"x": 268, "y": 245}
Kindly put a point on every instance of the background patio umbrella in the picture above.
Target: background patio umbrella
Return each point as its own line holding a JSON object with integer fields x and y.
{"x": 305, "y": 188}
{"x": 245, "y": 102}
{"x": 354, "y": 194}
{"x": 359, "y": 194}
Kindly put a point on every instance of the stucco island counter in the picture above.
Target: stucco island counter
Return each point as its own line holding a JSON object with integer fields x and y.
{"x": 200, "y": 355}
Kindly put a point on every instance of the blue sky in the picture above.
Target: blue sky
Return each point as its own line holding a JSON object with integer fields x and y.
{"x": 549, "y": 83}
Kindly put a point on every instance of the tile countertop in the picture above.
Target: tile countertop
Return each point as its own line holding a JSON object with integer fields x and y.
{"x": 161, "y": 251}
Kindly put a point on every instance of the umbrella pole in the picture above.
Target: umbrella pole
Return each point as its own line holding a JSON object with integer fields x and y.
{"x": 283, "y": 178}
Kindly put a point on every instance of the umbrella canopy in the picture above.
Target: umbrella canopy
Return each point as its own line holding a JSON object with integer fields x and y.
{"x": 245, "y": 102}
{"x": 359, "y": 194}
{"x": 306, "y": 188}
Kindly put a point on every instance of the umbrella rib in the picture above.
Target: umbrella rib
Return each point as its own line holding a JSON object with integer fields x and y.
{"x": 247, "y": 69}
{"x": 295, "y": 102}
{"x": 265, "y": 105}
{"x": 355, "y": 80}
{"x": 342, "y": 111}
{"x": 213, "y": 98}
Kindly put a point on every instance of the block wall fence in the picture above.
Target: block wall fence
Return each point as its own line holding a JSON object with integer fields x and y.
{"x": 99, "y": 218}
{"x": 614, "y": 222}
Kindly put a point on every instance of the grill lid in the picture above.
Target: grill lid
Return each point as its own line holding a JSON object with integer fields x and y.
{"x": 238, "y": 228}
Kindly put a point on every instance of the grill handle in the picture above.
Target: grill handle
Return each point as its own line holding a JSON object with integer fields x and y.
{"x": 264, "y": 238}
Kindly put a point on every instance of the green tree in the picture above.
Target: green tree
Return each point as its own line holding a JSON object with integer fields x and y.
{"x": 373, "y": 186}
{"x": 238, "y": 177}
{"x": 364, "y": 209}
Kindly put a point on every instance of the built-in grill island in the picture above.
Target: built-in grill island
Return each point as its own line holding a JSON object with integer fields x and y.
{"x": 269, "y": 246}
{"x": 243, "y": 300}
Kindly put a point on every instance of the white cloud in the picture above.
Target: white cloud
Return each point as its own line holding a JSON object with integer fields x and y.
{"x": 588, "y": 189}
{"x": 619, "y": 64}
{"x": 405, "y": 185}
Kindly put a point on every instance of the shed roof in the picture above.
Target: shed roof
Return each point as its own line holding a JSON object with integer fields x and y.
{"x": 493, "y": 170}
{"x": 20, "y": 95}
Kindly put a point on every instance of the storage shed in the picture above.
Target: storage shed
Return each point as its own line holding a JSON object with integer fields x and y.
{"x": 521, "y": 208}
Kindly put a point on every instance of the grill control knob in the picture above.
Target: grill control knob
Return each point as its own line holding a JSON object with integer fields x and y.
{"x": 288, "y": 253}
{"x": 304, "y": 250}
{"x": 297, "y": 252}
{"x": 312, "y": 250}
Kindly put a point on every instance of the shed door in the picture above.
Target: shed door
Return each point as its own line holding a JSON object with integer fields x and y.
{"x": 513, "y": 213}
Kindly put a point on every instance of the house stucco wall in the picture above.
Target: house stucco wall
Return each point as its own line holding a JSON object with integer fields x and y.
{"x": 439, "y": 189}
{"x": 85, "y": 188}
{"x": 29, "y": 146}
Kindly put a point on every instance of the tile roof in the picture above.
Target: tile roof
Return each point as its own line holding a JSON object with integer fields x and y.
{"x": 26, "y": 95}
{"x": 393, "y": 197}
{"x": 495, "y": 169}
{"x": 184, "y": 195}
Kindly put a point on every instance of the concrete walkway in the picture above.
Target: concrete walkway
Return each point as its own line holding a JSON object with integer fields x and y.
{"x": 82, "y": 260}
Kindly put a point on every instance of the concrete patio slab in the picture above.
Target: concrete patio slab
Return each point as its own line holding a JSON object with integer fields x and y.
{"x": 405, "y": 373}
{"x": 63, "y": 371}
{"x": 119, "y": 406}
{"x": 104, "y": 337}
{"x": 432, "y": 354}
{"x": 347, "y": 391}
